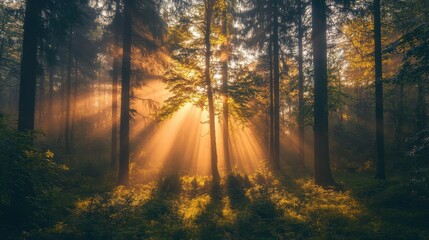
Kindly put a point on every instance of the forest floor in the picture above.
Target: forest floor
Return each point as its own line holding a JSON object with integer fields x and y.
{"x": 259, "y": 206}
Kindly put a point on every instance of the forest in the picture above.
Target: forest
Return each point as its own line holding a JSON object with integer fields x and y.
{"x": 214, "y": 119}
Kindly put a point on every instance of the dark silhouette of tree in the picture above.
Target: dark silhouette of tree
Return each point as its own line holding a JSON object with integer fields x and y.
{"x": 322, "y": 169}
{"x": 276, "y": 84}
{"x": 115, "y": 76}
{"x": 67, "y": 135}
{"x": 262, "y": 20}
{"x": 124, "y": 145}
{"x": 142, "y": 27}
{"x": 225, "y": 52}
{"x": 301, "y": 124}
{"x": 380, "y": 168}
{"x": 27, "y": 86}
{"x": 208, "y": 7}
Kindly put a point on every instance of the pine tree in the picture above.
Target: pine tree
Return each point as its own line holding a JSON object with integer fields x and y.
{"x": 27, "y": 87}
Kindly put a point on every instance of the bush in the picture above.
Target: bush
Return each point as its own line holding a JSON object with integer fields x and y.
{"x": 28, "y": 177}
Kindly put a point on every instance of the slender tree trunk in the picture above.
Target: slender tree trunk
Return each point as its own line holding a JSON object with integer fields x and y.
{"x": 75, "y": 93}
{"x": 322, "y": 169}
{"x": 51, "y": 98}
{"x": 271, "y": 146}
{"x": 340, "y": 108}
{"x": 276, "y": 86}
{"x": 41, "y": 100}
{"x": 41, "y": 109}
{"x": 208, "y": 11}
{"x": 2, "y": 43}
{"x": 300, "y": 86}
{"x": 68, "y": 93}
{"x": 115, "y": 75}
{"x": 421, "y": 106}
{"x": 399, "y": 118}
{"x": 225, "y": 110}
{"x": 124, "y": 132}
{"x": 62, "y": 120}
{"x": 27, "y": 84}
{"x": 379, "y": 125}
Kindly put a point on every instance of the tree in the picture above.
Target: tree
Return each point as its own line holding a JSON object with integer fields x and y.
{"x": 115, "y": 75}
{"x": 262, "y": 22}
{"x": 27, "y": 86}
{"x": 208, "y": 7}
{"x": 300, "y": 82}
{"x": 322, "y": 169}
{"x": 124, "y": 141}
{"x": 413, "y": 22}
{"x": 68, "y": 91}
{"x": 225, "y": 48}
{"x": 276, "y": 84}
{"x": 379, "y": 119}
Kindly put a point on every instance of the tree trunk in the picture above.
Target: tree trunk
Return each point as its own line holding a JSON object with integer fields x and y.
{"x": 271, "y": 146}
{"x": 208, "y": 11}
{"x": 62, "y": 100}
{"x": 115, "y": 75}
{"x": 225, "y": 110}
{"x": 124, "y": 137}
{"x": 75, "y": 93}
{"x": 399, "y": 118}
{"x": 41, "y": 109}
{"x": 2, "y": 43}
{"x": 276, "y": 86}
{"x": 322, "y": 169}
{"x": 300, "y": 86}
{"x": 68, "y": 93}
{"x": 421, "y": 106}
{"x": 379, "y": 119}
{"x": 27, "y": 84}
{"x": 51, "y": 98}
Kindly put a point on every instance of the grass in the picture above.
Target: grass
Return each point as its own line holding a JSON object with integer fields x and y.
{"x": 260, "y": 206}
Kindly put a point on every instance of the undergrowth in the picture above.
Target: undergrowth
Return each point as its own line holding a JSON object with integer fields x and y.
{"x": 259, "y": 206}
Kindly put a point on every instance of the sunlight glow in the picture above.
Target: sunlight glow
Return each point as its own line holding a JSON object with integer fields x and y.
{"x": 181, "y": 144}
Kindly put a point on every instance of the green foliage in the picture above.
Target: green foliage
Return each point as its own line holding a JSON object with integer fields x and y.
{"x": 28, "y": 181}
{"x": 419, "y": 185}
{"x": 259, "y": 206}
{"x": 412, "y": 20}
{"x": 419, "y": 145}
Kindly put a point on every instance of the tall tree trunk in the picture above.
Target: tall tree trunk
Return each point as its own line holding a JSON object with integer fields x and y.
{"x": 300, "y": 85}
{"x": 27, "y": 84}
{"x": 225, "y": 110}
{"x": 276, "y": 86}
{"x": 340, "y": 108}
{"x": 271, "y": 143}
{"x": 379, "y": 119}
{"x": 100, "y": 117}
{"x": 51, "y": 120}
{"x": 2, "y": 43}
{"x": 75, "y": 93}
{"x": 68, "y": 93}
{"x": 115, "y": 75}
{"x": 62, "y": 120}
{"x": 41, "y": 100}
{"x": 399, "y": 118}
{"x": 124, "y": 132}
{"x": 421, "y": 106}
{"x": 41, "y": 110}
{"x": 209, "y": 11}
{"x": 322, "y": 169}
